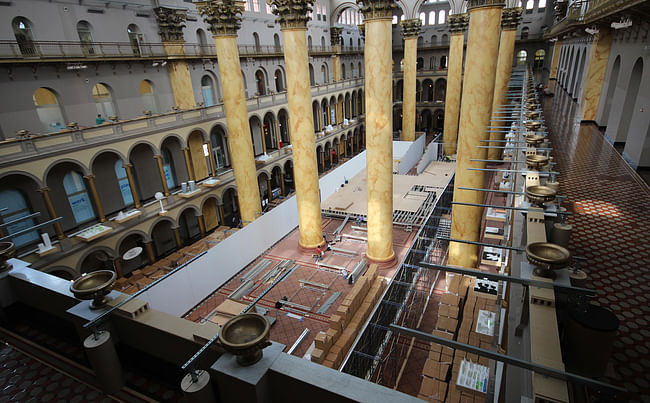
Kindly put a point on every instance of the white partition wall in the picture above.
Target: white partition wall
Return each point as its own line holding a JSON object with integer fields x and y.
{"x": 181, "y": 291}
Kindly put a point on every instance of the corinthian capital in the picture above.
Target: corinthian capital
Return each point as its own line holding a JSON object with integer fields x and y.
{"x": 292, "y": 13}
{"x": 373, "y": 9}
{"x": 335, "y": 35}
{"x": 458, "y": 23}
{"x": 170, "y": 23}
{"x": 411, "y": 28}
{"x": 510, "y": 18}
{"x": 222, "y": 16}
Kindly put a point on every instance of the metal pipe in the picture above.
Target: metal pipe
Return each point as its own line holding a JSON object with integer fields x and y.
{"x": 510, "y": 208}
{"x": 541, "y": 369}
{"x": 33, "y": 228}
{"x": 36, "y": 214}
{"x": 502, "y": 277}
{"x": 482, "y": 244}
{"x": 517, "y": 171}
{"x": 518, "y": 148}
{"x": 492, "y": 190}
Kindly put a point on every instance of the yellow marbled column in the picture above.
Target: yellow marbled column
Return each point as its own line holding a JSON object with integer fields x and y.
{"x": 179, "y": 76}
{"x": 454, "y": 75}
{"x": 336, "y": 68}
{"x": 301, "y": 129}
{"x": 408, "y": 105}
{"x": 335, "y": 41}
{"x": 379, "y": 126}
{"x": 239, "y": 134}
{"x": 552, "y": 77}
{"x": 598, "y": 58}
{"x": 509, "y": 22}
{"x": 478, "y": 88}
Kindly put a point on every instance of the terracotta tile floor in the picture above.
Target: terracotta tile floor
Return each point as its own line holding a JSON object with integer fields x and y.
{"x": 611, "y": 228}
{"x": 288, "y": 327}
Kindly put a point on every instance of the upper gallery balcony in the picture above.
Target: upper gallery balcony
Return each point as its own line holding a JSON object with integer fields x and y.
{"x": 12, "y": 51}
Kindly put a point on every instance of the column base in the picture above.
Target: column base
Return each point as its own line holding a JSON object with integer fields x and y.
{"x": 309, "y": 250}
{"x": 382, "y": 263}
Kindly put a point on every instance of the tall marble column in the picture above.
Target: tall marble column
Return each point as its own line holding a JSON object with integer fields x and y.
{"x": 555, "y": 61}
{"x": 379, "y": 125}
{"x": 222, "y": 16}
{"x": 170, "y": 25}
{"x": 45, "y": 192}
{"x": 598, "y": 58}
{"x": 293, "y": 18}
{"x": 410, "y": 31}
{"x": 335, "y": 41}
{"x": 478, "y": 88}
{"x": 457, "y": 26}
{"x": 509, "y": 21}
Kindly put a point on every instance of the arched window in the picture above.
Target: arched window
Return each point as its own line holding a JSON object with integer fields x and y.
{"x": 311, "y": 75}
{"x": 423, "y": 18}
{"x": 168, "y": 168}
{"x": 276, "y": 43}
{"x": 443, "y": 62}
{"x": 343, "y": 71}
{"x": 147, "y": 96}
{"x": 85, "y": 37}
{"x": 432, "y": 17}
{"x": 123, "y": 181}
{"x": 541, "y": 5}
{"x": 75, "y": 190}
{"x": 256, "y": 41}
{"x": 322, "y": 42}
{"x": 207, "y": 90}
{"x": 23, "y": 33}
{"x": 279, "y": 80}
{"x": 351, "y": 46}
{"x": 48, "y": 109}
{"x": 530, "y": 4}
{"x": 219, "y": 148}
{"x": 17, "y": 207}
{"x": 351, "y": 70}
{"x": 441, "y": 17}
{"x": 261, "y": 82}
{"x": 420, "y": 42}
{"x": 203, "y": 41}
{"x": 104, "y": 100}
{"x": 360, "y": 70}
{"x": 434, "y": 39}
{"x": 539, "y": 58}
{"x": 136, "y": 38}
{"x": 445, "y": 39}
{"x": 323, "y": 73}
{"x": 524, "y": 33}
{"x": 522, "y": 55}
{"x": 309, "y": 43}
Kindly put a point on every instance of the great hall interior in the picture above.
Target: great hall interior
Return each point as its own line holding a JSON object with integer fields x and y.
{"x": 374, "y": 201}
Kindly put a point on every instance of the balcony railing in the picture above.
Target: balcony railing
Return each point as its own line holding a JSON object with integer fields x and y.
{"x": 73, "y": 50}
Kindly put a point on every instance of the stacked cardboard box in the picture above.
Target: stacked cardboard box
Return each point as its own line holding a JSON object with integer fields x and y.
{"x": 474, "y": 331}
{"x": 332, "y": 346}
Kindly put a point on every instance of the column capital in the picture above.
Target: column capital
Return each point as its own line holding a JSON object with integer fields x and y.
{"x": 44, "y": 189}
{"x": 458, "y": 23}
{"x": 484, "y": 3}
{"x": 170, "y": 23}
{"x": 127, "y": 166}
{"x": 411, "y": 28}
{"x": 89, "y": 176}
{"x": 362, "y": 30}
{"x": 374, "y": 9}
{"x": 510, "y": 18}
{"x": 335, "y": 35}
{"x": 292, "y": 13}
{"x": 222, "y": 16}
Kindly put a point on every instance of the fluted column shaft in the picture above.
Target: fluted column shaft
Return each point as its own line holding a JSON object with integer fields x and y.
{"x": 478, "y": 89}
{"x": 379, "y": 126}
{"x": 598, "y": 58}
{"x": 458, "y": 23}
{"x": 509, "y": 21}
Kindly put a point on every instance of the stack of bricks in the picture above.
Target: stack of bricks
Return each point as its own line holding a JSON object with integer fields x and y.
{"x": 331, "y": 347}
{"x": 436, "y": 368}
{"x": 467, "y": 334}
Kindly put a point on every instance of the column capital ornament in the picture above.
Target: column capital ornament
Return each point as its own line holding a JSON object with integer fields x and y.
{"x": 292, "y": 13}
{"x": 222, "y": 16}
{"x": 373, "y": 9}
{"x": 335, "y": 35}
{"x": 170, "y": 23}
{"x": 510, "y": 18}
{"x": 411, "y": 28}
{"x": 458, "y": 23}
{"x": 484, "y": 3}
{"x": 362, "y": 30}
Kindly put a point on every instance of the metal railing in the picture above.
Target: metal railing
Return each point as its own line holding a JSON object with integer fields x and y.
{"x": 44, "y": 50}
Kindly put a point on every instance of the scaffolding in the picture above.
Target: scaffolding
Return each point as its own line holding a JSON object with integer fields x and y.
{"x": 379, "y": 355}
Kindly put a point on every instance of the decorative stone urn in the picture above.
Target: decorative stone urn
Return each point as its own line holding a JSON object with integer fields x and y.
{"x": 7, "y": 251}
{"x": 96, "y": 286}
{"x": 539, "y": 195}
{"x": 547, "y": 257}
{"x": 245, "y": 336}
